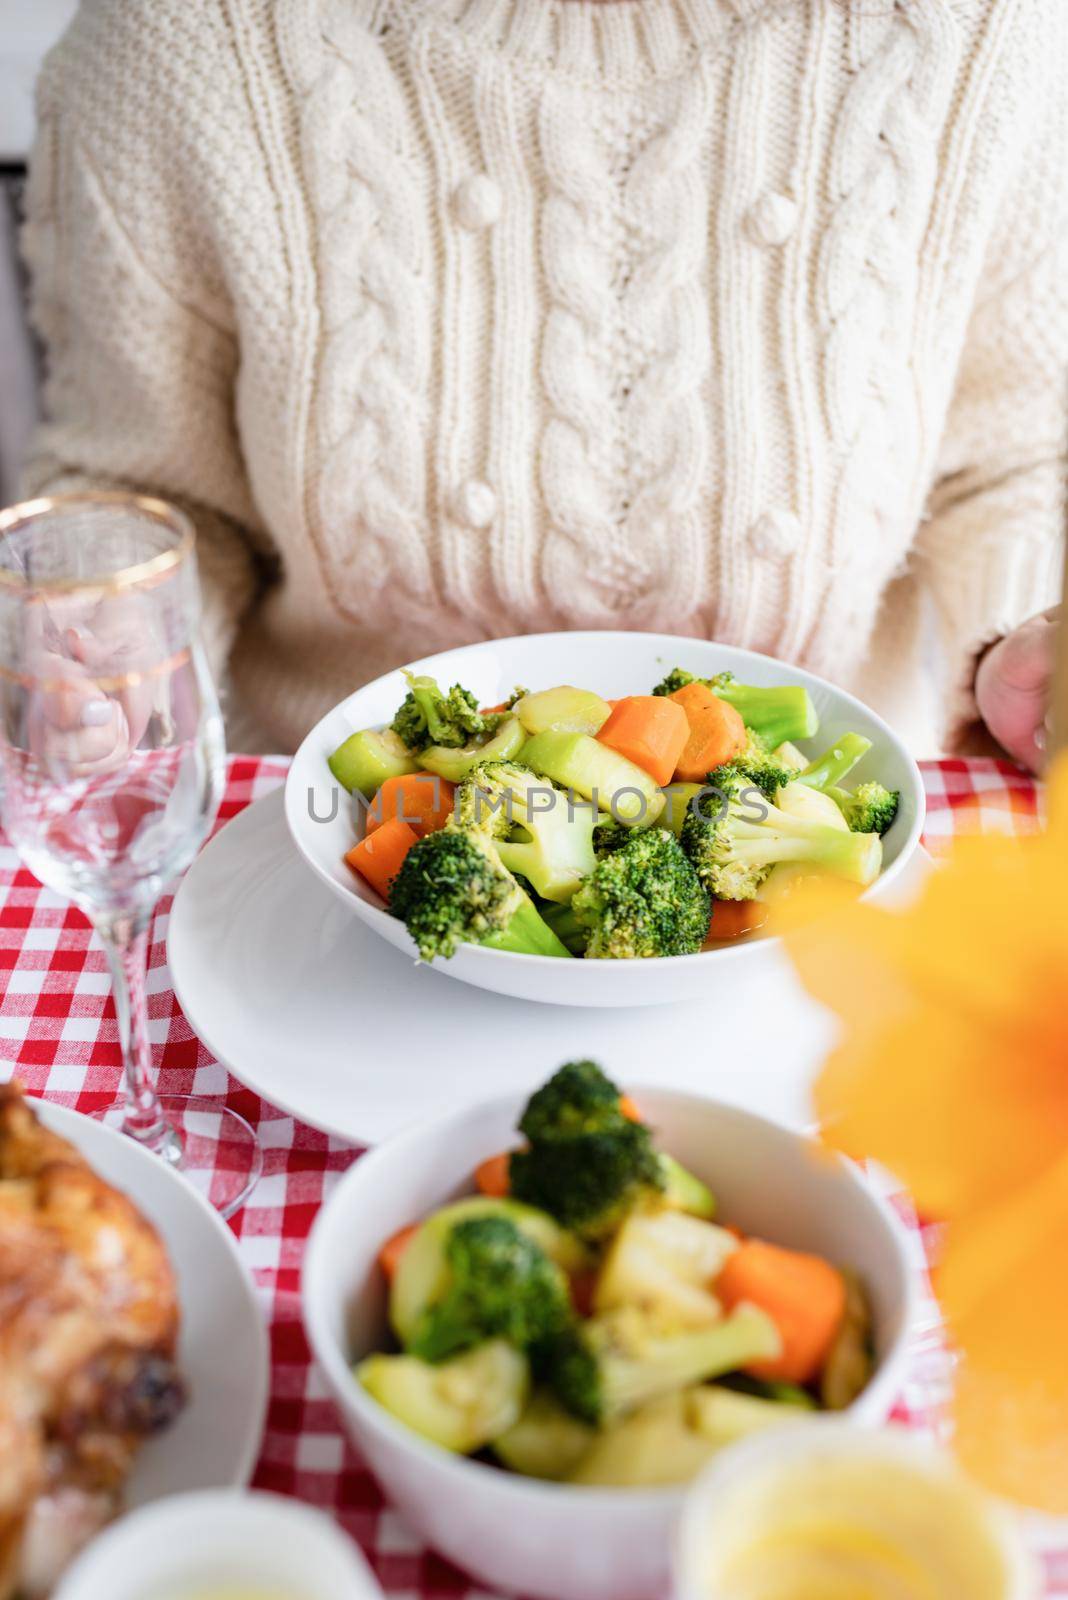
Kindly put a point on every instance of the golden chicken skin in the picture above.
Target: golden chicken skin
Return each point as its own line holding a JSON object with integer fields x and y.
{"x": 88, "y": 1330}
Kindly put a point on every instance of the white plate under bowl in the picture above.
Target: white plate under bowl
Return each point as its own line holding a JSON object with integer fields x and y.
{"x": 308, "y": 1008}
{"x": 325, "y": 822}
{"x": 222, "y": 1347}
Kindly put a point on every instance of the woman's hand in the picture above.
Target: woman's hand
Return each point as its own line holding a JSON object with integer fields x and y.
{"x": 75, "y": 653}
{"x": 1013, "y": 687}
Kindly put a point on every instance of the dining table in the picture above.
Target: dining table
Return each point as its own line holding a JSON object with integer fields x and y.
{"x": 58, "y": 1036}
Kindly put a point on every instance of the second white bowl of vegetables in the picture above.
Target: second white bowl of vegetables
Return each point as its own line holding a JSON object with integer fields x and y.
{"x": 540, "y": 1321}
{"x": 612, "y": 835}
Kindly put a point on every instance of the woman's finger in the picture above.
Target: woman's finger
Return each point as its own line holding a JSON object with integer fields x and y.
{"x": 1013, "y": 688}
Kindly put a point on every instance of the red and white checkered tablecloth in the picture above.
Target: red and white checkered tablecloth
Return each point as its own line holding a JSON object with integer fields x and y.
{"x": 58, "y": 1035}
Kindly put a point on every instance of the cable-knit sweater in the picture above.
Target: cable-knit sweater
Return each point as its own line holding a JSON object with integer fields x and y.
{"x": 451, "y": 319}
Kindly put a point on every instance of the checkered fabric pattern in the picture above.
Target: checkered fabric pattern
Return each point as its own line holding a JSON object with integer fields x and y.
{"x": 58, "y": 1034}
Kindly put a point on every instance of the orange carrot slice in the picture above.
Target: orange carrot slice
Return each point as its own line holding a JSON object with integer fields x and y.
{"x": 493, "y": 1177}
{"x": 716, "y": 732}
{"x": 732, "y": 918}
{"x": 629, "y": 1109}
{"x": 421, "y": 799}
{"x": 650, "y": 730}
{"x": 803, "y": 1295}
{"x": 378, "y": 857}
{"x": 391, "y": 1252}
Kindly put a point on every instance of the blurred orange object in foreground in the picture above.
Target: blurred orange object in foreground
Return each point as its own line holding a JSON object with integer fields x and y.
{"x": 953, "y": 1071}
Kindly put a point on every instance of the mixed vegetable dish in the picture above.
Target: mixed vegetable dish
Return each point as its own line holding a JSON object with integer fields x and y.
{"x": 584, "y": 1318}
{"x": 561, "y": 824}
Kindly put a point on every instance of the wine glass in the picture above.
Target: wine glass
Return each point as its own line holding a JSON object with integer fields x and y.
{"x": 112, "y": 753}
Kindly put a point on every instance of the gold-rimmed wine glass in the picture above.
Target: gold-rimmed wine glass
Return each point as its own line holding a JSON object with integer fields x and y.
{"x": 112, "y": 754}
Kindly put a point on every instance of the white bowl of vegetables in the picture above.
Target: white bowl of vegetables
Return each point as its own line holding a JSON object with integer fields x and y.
{"x": 535, "y": 1355}
{"x": 597, "y": 818}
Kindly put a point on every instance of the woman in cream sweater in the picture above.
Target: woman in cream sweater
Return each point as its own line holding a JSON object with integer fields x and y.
{"x": 451, "y": 319}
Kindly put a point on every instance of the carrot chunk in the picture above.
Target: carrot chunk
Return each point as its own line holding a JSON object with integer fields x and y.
{"x": 732, "y": 918}
{"x": 421, "y": 799}
{"x": 378, "y": 857}
{"x": 803, "y": 1295}
{"x": 493, "y": 1176}
{"x": 650, "y": 730}
{"x": 716, "y": 732}
{"x": 391, "y": 1252}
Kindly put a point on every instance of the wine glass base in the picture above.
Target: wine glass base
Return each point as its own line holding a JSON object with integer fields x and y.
{"x": 219, "y": 1153}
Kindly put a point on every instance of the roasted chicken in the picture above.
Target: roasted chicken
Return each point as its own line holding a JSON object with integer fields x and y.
{"x": 88, "y": 1328}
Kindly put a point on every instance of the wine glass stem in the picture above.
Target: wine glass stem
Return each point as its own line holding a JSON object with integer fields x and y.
{"x": 125, "y": 941}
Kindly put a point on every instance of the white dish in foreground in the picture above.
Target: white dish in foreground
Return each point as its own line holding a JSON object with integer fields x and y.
{"x": 222, "y": 1348}
{"x": 198, "y": 1544}
{"x": 308, "y": 1008}
{"x": 613, "y": 664}
{"x": 889, "y": 1498}
{"x": 545, "y": 1539}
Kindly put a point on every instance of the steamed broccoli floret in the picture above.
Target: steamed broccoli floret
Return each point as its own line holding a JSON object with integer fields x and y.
{"x": 501, "y": 1286}
{"x": 429, "y": 715}
{"x": 603, "y": 1368}
{"x": 610, "y": 836}
{"x": 757, "y": 765}
{"x": 585, "y": 1162}
{"x": 870, "y": 808}
{"x": 567, "y": 927}
{"x": 793, "y": 759}
{"x": 643, "y": 900}
{"x": 579, "y": 1098}
{"x": 780, "y": 713}
{"x": 735, "y": 838}
{"x": 677, "y": 678}
{"x": 484, "y": 805}
{"x": 538, "y": 830}
{"x": 453, "y": 888}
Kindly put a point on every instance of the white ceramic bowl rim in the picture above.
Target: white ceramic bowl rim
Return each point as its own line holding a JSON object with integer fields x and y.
{"x": 338, "y": 1365}
{"x": 241, "y": 1513}
{"x": 791, "y": 674}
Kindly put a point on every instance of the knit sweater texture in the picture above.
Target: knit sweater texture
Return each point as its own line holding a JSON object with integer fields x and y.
{"x": 452, "y": 319}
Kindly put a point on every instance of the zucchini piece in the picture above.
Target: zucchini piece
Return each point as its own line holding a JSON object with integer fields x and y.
{"x": 546, "y": 1442}
{"x": 723, "y": 1415}
{"x": 563, "y": 710}
{"x": 577, "y": 761}
{"x": 655, "y": 1445}
{"x": 422, "y": 1274}
{"x": 848, "y": 1366}
{"x": 365, "y": 760}
{"x": 684, "y": 1192}
{"x": 504, "y": 745}
{"x": 461, "y": 1404}
{"x": 677, "y": 797}
{"x": 662, "y": 1262}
